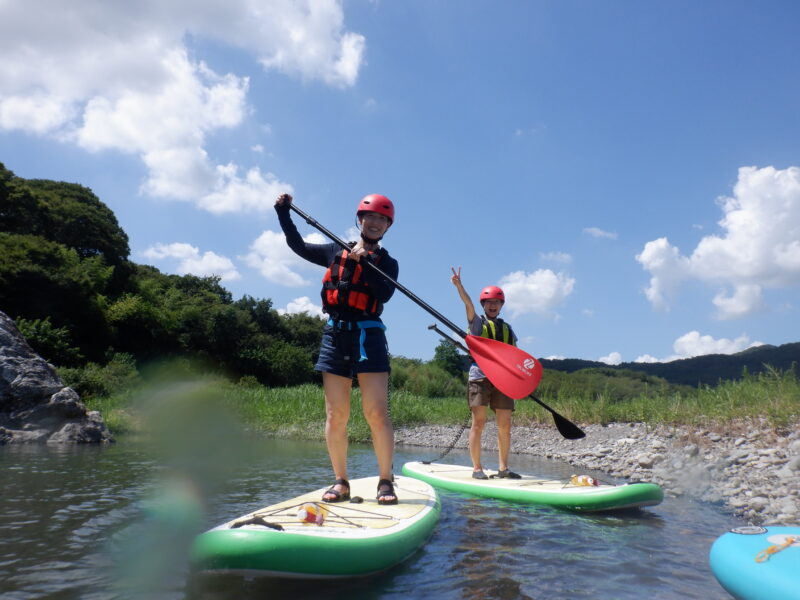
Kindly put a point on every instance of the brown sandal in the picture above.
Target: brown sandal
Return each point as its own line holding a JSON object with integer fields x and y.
{"x": 386, "y": 490}
{"x": 337, "y": 495}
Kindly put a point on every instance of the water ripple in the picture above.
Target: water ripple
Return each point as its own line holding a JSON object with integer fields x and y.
{"x": 79, "y": 522}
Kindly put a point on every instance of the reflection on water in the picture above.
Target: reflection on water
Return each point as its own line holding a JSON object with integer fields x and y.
{"x": 115, "y": 522}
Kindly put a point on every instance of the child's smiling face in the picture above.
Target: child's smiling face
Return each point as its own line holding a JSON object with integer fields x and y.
{"x": 492, "y": 307}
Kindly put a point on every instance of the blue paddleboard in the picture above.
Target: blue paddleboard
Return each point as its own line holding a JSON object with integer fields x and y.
{"x": 754, "y": 563}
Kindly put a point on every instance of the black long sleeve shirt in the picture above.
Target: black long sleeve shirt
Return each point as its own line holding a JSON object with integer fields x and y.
{"x": 324, "y": 254}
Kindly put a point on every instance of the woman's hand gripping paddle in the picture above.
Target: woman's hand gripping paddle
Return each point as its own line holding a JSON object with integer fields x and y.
{"x": 565, "y": 427}
{"x": 513, "y": 371}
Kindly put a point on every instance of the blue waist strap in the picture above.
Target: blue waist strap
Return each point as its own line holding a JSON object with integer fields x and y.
{"x": 363, "y": 326}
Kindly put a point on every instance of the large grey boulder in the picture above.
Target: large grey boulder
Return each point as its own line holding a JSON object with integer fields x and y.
{"x": 34, "y": 404}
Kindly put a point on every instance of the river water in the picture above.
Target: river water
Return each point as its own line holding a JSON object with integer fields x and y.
{"x": 92, "y": 522}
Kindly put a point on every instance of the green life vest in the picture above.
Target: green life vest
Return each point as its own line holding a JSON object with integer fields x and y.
{"x": 489, "y": 329}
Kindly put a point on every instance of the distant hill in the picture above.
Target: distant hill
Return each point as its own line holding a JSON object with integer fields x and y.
{"x": 707, "y": 369}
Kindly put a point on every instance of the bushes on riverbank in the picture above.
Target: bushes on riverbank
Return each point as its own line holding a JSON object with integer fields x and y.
{"x": 299, "y": 411}
{"x": 773, "y": 395}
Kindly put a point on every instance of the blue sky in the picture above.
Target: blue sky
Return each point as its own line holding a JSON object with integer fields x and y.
{"x": 628, "y": 172}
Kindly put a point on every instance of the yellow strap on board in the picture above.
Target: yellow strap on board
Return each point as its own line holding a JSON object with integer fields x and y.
{"x": 765, "y": 554}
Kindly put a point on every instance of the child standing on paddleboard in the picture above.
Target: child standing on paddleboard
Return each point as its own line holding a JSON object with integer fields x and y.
{"x": 353, "y": 341}
{"x": 481, "y": 392}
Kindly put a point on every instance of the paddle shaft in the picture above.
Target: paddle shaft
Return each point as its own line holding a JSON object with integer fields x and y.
{"x": 411, "y": 295}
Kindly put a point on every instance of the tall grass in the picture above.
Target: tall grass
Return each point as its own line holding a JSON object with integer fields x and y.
{"x": 299, "y": 411}
{"x": 291, "y": 412}
{"x": 118, "y": 412}
{"x": 771, "y": 395}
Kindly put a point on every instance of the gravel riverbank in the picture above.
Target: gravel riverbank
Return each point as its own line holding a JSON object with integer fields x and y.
{"x": 751, "y": 469}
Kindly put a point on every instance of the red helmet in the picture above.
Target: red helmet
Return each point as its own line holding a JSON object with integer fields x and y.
{"x": 376, "y": 203}
{"x": 492, "y": 292}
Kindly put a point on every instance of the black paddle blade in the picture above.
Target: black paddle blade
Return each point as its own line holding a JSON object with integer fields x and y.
{"x": 565, "y": 427}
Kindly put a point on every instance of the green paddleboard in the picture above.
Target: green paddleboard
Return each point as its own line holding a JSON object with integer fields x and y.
{"x": 350, "y": 540}
{"x": 535, "y": 490}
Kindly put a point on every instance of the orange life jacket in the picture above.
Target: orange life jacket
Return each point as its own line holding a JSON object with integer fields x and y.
{"x": 343, "y": 287}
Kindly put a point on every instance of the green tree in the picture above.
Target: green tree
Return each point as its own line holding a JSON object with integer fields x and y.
{"x": 304, "y": 331}
{"x": 51, "y": 343}
{"x": 41, "y": 279}
{"x": 277, "y": 363}
{"x": 447, "y": 357}
{"x": 265, "y": 317}
{"x": 64, "y": 271}
{"x": 19, "y": 209}
{"x": 72, "y": 215}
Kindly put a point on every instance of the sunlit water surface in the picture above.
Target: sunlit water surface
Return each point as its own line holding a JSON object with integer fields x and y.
{"x": 115, "y": 522}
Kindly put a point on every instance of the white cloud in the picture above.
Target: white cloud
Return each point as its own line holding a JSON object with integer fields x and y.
{"x": 539, "y": 292}
{"x": 759, "y": 248}
{"x": 646, "y": 358}
{"x": 694, "y": 344}
{"x": 119, "y": 76}
{"x": 253, "y": 192}
{"x": 276, "y": 262}
{"x": 599, "y": 233}
{"x": 311, "y": 44}
{"x": 746, "y": 299}
{"x": 302, "y": 305}
{"x": 556, "y": 257}
{"x": 37, "y": 113}
{"x": 192, "y": 262}
{"x": 614, "y": 358}
{"x": 668, "y": 269}
{"x": 528, "y": 131}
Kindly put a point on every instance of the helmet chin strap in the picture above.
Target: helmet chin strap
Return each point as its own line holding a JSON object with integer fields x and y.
{"x": 370, "y": 240}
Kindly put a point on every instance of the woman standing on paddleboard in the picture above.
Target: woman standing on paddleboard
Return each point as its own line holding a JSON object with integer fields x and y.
{"x": 481, "y": 392}
{"x": 353, "y": 341}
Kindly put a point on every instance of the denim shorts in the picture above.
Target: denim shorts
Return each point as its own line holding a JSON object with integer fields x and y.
{"x": 340, "y": 352}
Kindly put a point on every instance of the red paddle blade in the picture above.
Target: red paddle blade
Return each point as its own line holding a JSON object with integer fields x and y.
{"x": 512, "y": 371}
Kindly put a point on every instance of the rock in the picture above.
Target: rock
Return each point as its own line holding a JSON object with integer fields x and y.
{"x": 645, "y": 460}
{"x": 785, "y": 474}
{"x": 35, "y": 407}
{"x": 724, "y": 472}
{"x": 759, "y": 503}
{"x": 25, "y": 378}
